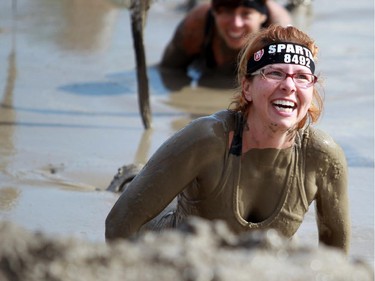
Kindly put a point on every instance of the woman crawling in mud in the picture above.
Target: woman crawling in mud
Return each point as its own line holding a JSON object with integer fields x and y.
{"x": 209, "y": 38}
{"x": 257, "y": 165}
{"x": 212, "y": 34}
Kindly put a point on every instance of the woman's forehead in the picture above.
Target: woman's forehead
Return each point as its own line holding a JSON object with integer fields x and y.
{"x": 289, "y": 67}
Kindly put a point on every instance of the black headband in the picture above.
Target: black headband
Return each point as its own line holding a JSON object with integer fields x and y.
{"x": 285, "y": 52}
{"x": 258, "y": 5}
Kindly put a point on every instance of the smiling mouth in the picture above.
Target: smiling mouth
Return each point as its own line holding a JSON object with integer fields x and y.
{"x": 284, "y": 106}
{"x": 235, "y": 35}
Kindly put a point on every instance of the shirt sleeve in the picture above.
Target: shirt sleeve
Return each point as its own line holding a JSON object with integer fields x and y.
{"x": 332, "y": 202}
{"x": 174, "y": 165}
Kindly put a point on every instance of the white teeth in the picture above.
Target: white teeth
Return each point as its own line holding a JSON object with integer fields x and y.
{"x": 235, "y": 35}
{"x": 284, "y": 109}
{"x": 284, "y": 103}
{"x": 284, "y": 106}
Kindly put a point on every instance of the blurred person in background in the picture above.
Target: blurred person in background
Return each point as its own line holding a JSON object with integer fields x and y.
{"x": 211, "y": 35}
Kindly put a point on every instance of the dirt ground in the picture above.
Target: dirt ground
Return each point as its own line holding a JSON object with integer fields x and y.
{"x": 199, "y": 251}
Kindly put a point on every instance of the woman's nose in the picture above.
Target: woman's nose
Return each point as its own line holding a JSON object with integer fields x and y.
{"x": 237, "y": 20}
{"x": 288, "y": 84}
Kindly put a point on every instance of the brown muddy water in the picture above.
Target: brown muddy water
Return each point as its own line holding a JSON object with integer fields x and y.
{"x": 69, "y": 111}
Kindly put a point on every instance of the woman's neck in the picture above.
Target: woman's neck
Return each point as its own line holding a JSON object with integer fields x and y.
{"x": 266, "y": 137}
{"x": 223, "y": 54}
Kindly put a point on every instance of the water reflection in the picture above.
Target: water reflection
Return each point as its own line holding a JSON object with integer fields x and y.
{"x": 162, "y": 82}
{"x": 8, "y": 116}
{"x": 8, "y": 198}
{"x": 87, "y": 24}
{"x": 142, "y": 154}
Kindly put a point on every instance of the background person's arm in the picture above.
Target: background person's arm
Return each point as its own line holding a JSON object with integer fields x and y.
{"x": 175, "y": 55}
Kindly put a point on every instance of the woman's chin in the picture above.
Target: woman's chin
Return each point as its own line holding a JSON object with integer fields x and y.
{"x": 235, "y": 44}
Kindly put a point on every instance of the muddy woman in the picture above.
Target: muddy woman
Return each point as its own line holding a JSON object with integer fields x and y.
{"x": 259, "y": 164}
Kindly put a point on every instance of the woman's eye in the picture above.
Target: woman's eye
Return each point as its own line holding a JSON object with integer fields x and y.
{"x": 225, "y": 11}
{"x": 247, "y": 14}
{"x": 275, "y": 73}
{"x": 301, "y": 76}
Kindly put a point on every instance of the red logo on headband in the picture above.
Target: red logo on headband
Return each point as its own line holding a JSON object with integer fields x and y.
{"x": 258, "y": 55}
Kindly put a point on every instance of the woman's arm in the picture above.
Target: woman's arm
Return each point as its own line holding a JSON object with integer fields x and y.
{"x": 332, "y": 203}
{"x": 278, "y": 14}
{"x": 175, "y": 54}
{"x": 175, "y": 164}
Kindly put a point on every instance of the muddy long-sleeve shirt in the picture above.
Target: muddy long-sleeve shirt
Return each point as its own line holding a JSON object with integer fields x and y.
{"x": 204, "y": 167}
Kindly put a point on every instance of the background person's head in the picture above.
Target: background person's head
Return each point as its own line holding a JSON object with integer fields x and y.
{"x": 276, "y": 34}
{"x": 236, "y": 19}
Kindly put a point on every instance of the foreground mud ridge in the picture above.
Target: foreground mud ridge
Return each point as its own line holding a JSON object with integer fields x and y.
{"x": 199, "y": 251}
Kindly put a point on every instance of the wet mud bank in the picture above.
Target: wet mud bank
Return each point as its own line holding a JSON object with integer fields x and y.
{"x": 199, "y": 251}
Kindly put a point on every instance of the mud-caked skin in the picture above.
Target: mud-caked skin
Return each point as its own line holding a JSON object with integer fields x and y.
{"x": 258, "y": 189}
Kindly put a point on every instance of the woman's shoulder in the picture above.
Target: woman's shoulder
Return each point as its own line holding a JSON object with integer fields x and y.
{"x": 206, "y": 135}
{"x": 321, "y": 141}
{"x": 212, "y": 128}
{"x": 218, "y": 122}
{"x": 198, "y": 15}
{"x": 323, "y": 149}
{"x": 192, "y": 30}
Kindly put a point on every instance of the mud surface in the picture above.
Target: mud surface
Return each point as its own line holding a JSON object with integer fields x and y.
{"x": 199, "y": 251}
